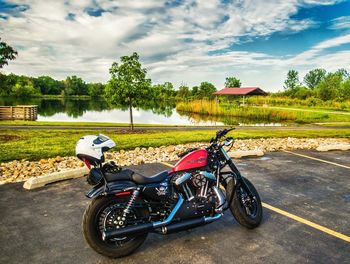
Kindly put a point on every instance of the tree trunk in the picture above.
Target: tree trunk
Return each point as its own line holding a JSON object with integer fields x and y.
{"x": 131, "y": 119}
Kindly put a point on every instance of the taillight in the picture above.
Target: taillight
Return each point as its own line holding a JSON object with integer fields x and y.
{"x": 122, "y": 193}
{"x": 87, "y": 163}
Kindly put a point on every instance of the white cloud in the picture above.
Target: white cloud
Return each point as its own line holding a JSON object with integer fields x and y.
{"x": 341, "y": 23}
{"x": 174, "y": 41}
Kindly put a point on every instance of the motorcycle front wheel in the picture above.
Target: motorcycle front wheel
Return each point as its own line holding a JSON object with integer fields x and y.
{"x": 246, "y": 209}
{"x": 102, "y": 214}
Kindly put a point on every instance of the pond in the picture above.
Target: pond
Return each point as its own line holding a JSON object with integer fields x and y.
{"x": 87, "y": 110}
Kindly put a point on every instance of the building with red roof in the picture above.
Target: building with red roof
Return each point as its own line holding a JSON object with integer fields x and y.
{"x": 241, "y": 91}
{"x": 244, "y": 91}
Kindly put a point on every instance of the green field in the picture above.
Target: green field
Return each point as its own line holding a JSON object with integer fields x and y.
{"x": 262, "y": 114}
{"x": 35, "y": 144}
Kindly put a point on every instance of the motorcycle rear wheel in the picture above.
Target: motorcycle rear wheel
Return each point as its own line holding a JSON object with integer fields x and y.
{"x": 92, "y": 229}
{"x": 247, "y": 212}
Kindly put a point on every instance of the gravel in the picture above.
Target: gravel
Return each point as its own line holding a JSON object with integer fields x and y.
{"x": 21, "y": 170}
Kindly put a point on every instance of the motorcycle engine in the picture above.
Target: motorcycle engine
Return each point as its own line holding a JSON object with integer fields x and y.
{"x": 196, "y": 187}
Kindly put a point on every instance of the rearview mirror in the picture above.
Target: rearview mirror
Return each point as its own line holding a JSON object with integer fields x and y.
{"x": 228, "y": 141}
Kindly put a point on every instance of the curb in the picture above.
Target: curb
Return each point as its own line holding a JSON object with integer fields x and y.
{"x": 333, "y": 147}
{"x": 36, "y": 182}
{"x": 245, "y": 153}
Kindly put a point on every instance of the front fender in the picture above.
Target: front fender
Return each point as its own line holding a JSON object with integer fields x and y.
{"x": 112, "y": 188}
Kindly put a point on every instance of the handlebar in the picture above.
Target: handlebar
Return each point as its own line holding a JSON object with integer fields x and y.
{"x": 221, "y": 133}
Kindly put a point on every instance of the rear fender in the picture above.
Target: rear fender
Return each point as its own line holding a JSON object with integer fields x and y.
{"x": 112, "y": 188}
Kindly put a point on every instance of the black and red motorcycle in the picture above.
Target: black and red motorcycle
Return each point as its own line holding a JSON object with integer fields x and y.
{"x": 126, "y": 206}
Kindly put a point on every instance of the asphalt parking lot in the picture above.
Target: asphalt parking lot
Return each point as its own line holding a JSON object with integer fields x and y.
{"x": 43, "y": 225}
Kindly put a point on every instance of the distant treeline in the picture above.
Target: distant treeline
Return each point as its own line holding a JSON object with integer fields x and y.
{"x": 318, "y": 84}
{"x": 24, "y": 86}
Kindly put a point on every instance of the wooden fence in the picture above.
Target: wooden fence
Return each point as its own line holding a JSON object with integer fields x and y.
{"x": 19, "y": 112}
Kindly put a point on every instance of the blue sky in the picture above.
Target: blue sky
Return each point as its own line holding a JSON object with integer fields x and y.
{"x": 182, "y": 41}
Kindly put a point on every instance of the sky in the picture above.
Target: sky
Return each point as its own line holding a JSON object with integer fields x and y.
{"x": 181, "y": 41}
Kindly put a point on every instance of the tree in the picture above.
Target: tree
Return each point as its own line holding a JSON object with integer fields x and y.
{"x": 330, "y": 87}
{"x": 195, "y": 91}
{"x": 48, "y": 85}
{"x": 128, "y": 84}
{"x": 345, "y": 90}
{"x": 206, "y": 89}
{"x": 184, "y": 91}
{"x": 232, "y": 82}
{"x": 314, "y": 77}
{"x": 95, "y": 89}
{"x": 24, "y": 87}
{"x": 75, "y": 86}
{"x": 6, "y": 53}
{"x": 292, "y": 80}
{"x": 343, "y": 73}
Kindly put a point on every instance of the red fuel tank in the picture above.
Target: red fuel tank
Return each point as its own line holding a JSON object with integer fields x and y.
{"x": 195, "y": 159}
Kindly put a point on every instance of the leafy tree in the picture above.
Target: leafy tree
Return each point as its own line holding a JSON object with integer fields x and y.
{"x": 343, "y": 73}
{"x": 232, "y": 82}
{"x": 330, "y": 87}
{"x": 302, "y": 92}
{"x": 7, "y": 53}
{"x": 163, "y": 91}
{"x": 48, "y": 85}
{"x": 75, "y": 86}
{"x": 195, "y": 91}
{"x": 292, "y": 80}
{"x": 95, "y": 89}
{"x": 184, "y": 91}
{"x": 345, "y": 90}
{"x": 24, "y": 88}
{"x": 128, "y": 84}
{"x": 314, "y": 77}
{"x": 206, "y": 89}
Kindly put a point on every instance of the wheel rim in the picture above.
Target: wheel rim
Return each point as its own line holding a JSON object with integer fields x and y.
{"x": 249, "y": 204}
{"x": 107, "y": 219}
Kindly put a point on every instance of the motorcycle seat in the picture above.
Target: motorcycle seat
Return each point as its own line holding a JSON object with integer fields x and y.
{"x": 124, "y": 175}
{"x": 141, "y": 179}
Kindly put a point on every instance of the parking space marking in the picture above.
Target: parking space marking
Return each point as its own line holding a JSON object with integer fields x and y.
{"x": 313, "y": 158}
{"x": 307, "y": 222}
{"x": 298, "y": 218}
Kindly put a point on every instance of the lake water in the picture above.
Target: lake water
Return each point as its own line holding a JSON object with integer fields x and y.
{"x": 99, "y": 111}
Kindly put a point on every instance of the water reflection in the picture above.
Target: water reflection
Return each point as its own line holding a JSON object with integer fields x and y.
{"x": 151, "y": 112}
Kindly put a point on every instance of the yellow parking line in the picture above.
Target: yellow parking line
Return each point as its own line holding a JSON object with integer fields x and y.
{"x": 321, "y": 160}
{"x": 308, "y": 223}
{"x": 298, "y": 218}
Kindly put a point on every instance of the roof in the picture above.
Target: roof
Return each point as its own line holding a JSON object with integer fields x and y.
{"x": 241, "y": 91}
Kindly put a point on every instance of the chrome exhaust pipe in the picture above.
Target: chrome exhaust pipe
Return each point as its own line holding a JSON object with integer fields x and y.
{"x": 187, "y": 224}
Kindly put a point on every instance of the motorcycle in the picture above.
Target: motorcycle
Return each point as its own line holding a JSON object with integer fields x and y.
{"x": 126, "y": 205}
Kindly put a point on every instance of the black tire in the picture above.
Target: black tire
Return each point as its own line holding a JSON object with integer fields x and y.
{"x": 93, "y": 234}
{"x": 239, "y": 211}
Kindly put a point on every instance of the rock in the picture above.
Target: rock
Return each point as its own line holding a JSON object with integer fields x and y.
{"x": 333, "y": 147}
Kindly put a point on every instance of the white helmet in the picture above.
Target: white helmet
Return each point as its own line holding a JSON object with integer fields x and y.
{"x": 91, "y": 148}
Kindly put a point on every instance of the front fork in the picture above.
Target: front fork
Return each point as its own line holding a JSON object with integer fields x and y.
{"x": 237, "y": 177}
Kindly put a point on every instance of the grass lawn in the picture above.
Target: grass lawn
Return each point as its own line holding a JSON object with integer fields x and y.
{"x": 35, "y": 144}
